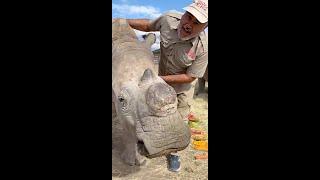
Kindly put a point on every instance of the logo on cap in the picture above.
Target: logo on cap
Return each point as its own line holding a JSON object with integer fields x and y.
{"x": 201, "y": 5}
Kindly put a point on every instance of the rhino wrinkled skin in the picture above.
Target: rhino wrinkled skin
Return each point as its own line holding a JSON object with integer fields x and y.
{"x": 144, "y": 105}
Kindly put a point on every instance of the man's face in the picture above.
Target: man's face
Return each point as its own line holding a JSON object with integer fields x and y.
{"x": 189, "y": 27}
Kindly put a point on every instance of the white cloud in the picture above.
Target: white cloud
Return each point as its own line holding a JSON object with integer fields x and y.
{"x": 125, "y": 10}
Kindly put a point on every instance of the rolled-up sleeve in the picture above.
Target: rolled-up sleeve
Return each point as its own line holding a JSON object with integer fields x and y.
{"x": 155, "y": 24}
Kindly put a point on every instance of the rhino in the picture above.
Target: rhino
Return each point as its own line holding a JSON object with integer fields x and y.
{"x": 144, "y": 105}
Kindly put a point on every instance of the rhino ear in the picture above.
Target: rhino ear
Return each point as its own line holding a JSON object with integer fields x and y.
{"x": 147, "y": 76}
{"x": 150, "y": 39}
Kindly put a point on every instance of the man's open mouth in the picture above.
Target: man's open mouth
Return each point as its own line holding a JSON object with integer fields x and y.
{"x": 186, "y": 32}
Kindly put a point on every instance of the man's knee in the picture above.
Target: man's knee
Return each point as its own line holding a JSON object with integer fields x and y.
{"x": 183, "y": 105}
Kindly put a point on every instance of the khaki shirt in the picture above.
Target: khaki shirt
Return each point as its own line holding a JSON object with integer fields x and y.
{"x": 177, "y": 56}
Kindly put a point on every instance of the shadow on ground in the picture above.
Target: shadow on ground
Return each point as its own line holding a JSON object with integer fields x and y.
{"x": 119, "y": 168}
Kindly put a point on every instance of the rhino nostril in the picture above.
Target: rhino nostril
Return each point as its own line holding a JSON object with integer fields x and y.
{"x": 170, "y": 109}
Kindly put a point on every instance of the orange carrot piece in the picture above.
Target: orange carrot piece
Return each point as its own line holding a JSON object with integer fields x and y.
{"x": 201, "y": 156}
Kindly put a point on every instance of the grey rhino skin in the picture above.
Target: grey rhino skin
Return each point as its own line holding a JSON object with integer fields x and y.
{"x": 144, "y": 105}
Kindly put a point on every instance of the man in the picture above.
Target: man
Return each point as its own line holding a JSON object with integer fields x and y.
{"x": 184, "y": 54}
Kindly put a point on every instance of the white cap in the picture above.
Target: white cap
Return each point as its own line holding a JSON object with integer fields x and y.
{"x": 199, "y": 9}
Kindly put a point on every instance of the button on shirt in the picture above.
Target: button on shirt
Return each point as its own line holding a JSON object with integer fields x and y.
{"x": 177, "y": 56}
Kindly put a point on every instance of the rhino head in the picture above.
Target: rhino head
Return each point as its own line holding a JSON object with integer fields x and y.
{"x": 150, "y": 108}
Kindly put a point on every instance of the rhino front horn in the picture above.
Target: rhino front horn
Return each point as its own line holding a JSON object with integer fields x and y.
{"x": 147, "y": 76}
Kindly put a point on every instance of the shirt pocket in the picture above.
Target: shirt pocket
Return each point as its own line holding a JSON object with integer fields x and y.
{"x": 185, "y": 55}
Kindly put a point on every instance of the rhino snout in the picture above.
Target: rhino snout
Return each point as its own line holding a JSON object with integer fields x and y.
{"x": 162, "y": 135}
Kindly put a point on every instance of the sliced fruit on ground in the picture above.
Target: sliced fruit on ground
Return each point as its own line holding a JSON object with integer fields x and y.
{"x": 193, "y": 124}
{"x": 201, "y": 156}
{"x": 197, "y": 131}
{"x": 200, "y": 137}
{"x": 200, "y": 145}
{"x": 192, "y": 117}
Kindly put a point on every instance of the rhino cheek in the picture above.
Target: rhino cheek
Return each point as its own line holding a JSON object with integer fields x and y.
{"x": 130, "y": 120}
{"x": 129, "y": 116}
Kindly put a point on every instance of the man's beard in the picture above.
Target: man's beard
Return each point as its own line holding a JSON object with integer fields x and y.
{"x": 184, "y": 38}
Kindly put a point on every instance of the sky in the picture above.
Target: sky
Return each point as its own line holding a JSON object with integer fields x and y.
{"x": 146, "y": 8}
{"x": 149, "y": 9}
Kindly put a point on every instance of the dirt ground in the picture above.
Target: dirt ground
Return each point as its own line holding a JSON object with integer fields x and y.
{"x": 157, "y": 168}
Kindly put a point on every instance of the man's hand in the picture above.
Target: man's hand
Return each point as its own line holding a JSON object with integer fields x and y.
{"x": 178, "y": 79}
{"x": 140, "y": 24}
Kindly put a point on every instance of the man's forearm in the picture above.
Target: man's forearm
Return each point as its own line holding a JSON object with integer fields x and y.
{"x": 178, "y": 79}
{"x": 140, "y": 24}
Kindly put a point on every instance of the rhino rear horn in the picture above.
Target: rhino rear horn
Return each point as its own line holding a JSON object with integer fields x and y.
{"x": 147, "y": 76}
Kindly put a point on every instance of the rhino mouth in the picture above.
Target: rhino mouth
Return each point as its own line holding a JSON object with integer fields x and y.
{"x": 160, "y": 136}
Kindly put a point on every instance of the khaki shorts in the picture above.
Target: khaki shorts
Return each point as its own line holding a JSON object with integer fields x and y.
{"x": 184, "y": 102}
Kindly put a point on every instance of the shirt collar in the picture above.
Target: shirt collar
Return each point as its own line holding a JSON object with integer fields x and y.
{"x": 174, "y": 25}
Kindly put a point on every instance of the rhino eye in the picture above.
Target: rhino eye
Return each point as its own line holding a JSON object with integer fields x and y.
{"x": 122, "y": 101}
{"x": 125, "y": 100}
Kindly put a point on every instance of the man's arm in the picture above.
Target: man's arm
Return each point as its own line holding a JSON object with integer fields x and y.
{"x": 140, "y": 24}
{"x": 178, "y": 79}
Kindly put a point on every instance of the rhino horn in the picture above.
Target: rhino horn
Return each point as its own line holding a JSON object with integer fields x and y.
{"x": 147, "y": 76}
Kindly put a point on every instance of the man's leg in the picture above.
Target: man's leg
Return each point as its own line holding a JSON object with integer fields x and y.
{"x": 201, "y": 86}
{"x": 184, "y": 105}
{"x": 184, "y": 102}
{"x": 173, "y": 160}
